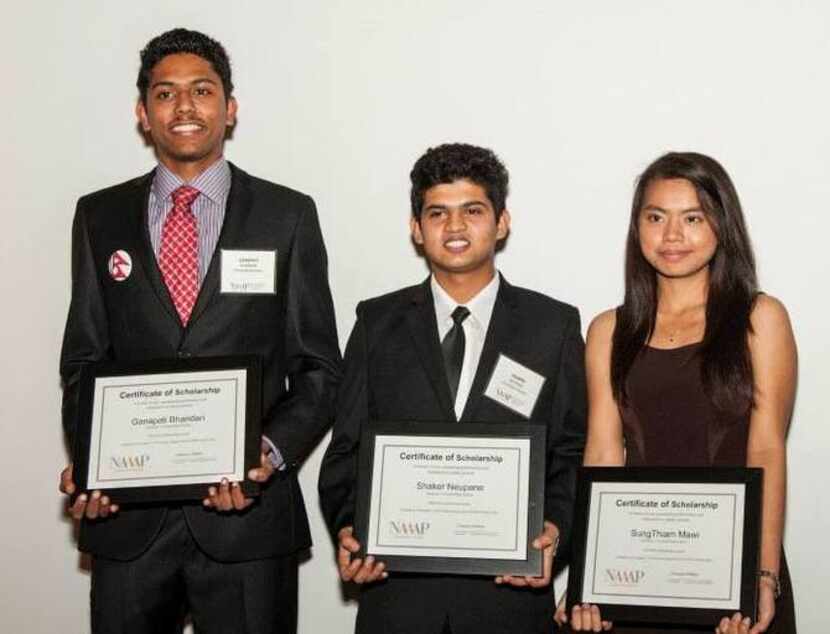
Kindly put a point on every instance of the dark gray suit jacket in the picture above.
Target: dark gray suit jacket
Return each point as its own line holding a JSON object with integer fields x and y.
{"x": 293, "y": 332}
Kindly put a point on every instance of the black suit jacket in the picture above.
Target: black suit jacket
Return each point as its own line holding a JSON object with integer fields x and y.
{"x": 292, "y": 331}
{"x": 394, "y": 371}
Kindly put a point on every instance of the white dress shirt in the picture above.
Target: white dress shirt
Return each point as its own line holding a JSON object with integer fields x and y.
{"x": 475, "y": 330}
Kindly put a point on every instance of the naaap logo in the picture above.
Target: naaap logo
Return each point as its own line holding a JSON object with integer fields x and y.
{"x": 408, "y": 529}
{"x": 135, "y": 463}
{"x": 617, "y": 577}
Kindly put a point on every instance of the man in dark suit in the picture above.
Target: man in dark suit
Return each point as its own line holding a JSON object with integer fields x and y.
{"x": 427, "y": 354}
{"x": 149, "y": 282}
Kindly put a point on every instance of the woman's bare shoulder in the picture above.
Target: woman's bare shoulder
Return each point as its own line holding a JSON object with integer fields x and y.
{"x": 602, "y": 326}
{"x": 769, "y": 314}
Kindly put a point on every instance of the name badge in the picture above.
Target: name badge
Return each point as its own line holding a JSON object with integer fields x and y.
{"x": 514, "y": 386}
{"x": 249, "y": 272}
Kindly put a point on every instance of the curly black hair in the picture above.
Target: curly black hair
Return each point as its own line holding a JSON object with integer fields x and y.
{"x": 183, "y": 41}
{"x": 455, "y": 161}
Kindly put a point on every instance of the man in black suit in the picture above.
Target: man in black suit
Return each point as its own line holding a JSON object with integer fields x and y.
{"x": 149, "y": 282}
{"x": 426, "y": 354}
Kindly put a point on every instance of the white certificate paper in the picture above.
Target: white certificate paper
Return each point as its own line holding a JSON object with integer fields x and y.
{"x": 660, "y": 544}
{"x": 167, "y": 429}
{"x": 439, "y": 496}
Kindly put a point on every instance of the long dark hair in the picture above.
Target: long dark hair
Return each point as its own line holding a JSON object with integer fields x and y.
{"x": 725, "y": 362}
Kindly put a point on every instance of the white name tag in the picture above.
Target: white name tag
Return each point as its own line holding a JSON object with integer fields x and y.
{"x": 249, "y": 272}
{"x": 515, "y": 386}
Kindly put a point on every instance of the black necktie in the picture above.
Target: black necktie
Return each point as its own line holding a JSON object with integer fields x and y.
{"x": 453, "y": 348}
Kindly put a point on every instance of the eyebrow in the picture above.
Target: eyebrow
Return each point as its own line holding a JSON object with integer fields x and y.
{"x": 198, "y": 80}
{"x": 665, "y": 211}
{"x": 464, "y": 205}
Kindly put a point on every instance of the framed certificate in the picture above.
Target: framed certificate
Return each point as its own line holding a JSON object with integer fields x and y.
{"x": 666, "y": 545}
{"x": 463, "y": 498}
{"x": 165, "y": 430}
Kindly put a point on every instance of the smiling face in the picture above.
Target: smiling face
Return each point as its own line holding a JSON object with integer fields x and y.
{"x": 458, "y": 231}
{"x": 186, "y": 113}
{"x": 676, "y": 235}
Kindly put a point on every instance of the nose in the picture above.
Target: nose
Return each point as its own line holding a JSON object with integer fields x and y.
{"x": 456, "y": 221}
{"x": 673, "y": 230}
{"x": 184, "y": 102}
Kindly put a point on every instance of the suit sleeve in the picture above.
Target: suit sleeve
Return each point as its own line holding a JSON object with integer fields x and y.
{"x": 312, "y": 353}
{"x": 86, "y": 336}
{"x": 338, "y": 473}
{"x": 566, "y": 436}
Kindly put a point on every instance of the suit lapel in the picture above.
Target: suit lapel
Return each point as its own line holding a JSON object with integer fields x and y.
{"x": 504, "y": 323}
{"x": 236, "y": 216}
{"x": 424, "y": 330}
{"x": 145, "y": 248}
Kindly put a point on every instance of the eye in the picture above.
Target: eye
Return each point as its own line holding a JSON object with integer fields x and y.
{"x": 164, "y": 95}
{"x": 652, "y": 216}
{"x": 435, "y": 213}
{"x": 694, "y": 219}
{"x": 202, "y": 91}
{"x": 475, "y": 210}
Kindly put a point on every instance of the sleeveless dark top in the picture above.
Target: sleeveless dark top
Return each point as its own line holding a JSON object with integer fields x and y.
{"x": 668, "y": 420}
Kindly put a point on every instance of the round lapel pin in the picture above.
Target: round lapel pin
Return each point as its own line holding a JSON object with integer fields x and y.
{"x": 120, "y": 265}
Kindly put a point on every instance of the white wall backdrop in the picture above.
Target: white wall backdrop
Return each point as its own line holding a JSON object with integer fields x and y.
{"x": 338, "y": 98}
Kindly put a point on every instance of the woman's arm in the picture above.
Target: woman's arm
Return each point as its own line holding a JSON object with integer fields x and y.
{"x": 774, "y": 366}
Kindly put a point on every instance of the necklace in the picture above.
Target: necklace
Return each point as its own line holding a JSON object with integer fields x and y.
{"x": 680, "y": 327}
{"x": 678, "y": 334}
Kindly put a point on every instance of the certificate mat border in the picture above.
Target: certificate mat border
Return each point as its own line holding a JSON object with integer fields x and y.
{"x": 516, "y": 536}
{"x": 751, "y": 478}
{"x": 535, "y": 433}
{"x": 208, "y": 475}
{"x": 173, "y": 492}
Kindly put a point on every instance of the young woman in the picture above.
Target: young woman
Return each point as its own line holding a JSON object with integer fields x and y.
{"x": 697, "y": 367}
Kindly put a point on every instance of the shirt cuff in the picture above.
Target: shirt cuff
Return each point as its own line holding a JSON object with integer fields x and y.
{"x": 274, "y": 456}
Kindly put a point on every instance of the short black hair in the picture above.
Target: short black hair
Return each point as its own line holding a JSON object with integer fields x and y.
{"x": 184, "y": 41}
{"x": 456, "y": 161}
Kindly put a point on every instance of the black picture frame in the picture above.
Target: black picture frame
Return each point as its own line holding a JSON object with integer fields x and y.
{"x": 536, "y": 434}
{"x": 750, "y": 478}
{"x": 173, "y": 492}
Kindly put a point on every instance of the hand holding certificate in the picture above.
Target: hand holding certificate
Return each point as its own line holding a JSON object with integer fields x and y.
{"x": 547, "y": 542}
{"x": 167, "y": 430}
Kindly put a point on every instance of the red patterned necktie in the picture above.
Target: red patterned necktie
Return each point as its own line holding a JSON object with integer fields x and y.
{"x": 179, "y": 253}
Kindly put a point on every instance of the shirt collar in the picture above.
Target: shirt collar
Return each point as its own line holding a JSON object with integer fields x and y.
{"x": 480, "y": 306}
{"x": 214, "y": 183}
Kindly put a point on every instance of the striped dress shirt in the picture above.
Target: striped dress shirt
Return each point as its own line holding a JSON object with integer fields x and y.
{"x": 214, "y": 184}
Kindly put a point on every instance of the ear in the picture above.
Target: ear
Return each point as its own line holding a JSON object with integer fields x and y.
{"x": 141, "y": 115}
{"x": 415, "y": 229}
{"x": 503, "y": 226}
{"x": 230, "y": 115}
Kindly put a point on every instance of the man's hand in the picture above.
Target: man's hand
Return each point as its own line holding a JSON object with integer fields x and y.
{"x": 90, "y": 506}
{"x": 545, "y": 542}
{"x": 356, "y": 570}
{"x": 228, "y": 495}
